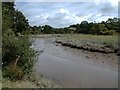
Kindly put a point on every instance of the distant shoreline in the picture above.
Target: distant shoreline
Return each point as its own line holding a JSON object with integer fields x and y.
{"x": 92, "y": 46}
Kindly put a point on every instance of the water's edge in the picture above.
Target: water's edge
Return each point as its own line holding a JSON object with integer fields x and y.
{"x": 76, "y": 68}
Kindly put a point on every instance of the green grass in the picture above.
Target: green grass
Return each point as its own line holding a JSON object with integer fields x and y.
{"x": 19, "y": 84}
{"x": 29, "y": 81}
{"x": 96, "y": 39}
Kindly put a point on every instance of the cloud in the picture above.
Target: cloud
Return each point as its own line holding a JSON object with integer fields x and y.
{"x": 59, "y": 14}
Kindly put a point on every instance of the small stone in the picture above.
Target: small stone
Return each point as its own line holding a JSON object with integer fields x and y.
{"x": 38, "y": 84}
{"x": 87, "y": 57}
{"x": 56, "y": 44}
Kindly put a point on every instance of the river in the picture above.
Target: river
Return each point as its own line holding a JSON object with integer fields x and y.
{"x": 72, "y": 68}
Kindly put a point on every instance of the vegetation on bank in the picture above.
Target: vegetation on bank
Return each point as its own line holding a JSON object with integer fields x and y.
{"x": 29, "y": 81}
{"x": 95, "y": 43}
{"x": 97, "y": 37}
{"x": 18, "y": 58}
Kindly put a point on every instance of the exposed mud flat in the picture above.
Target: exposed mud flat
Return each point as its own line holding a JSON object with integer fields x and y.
{"x": 71, "y": 68}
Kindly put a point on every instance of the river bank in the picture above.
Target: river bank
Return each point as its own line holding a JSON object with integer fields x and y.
{"x": 71, "y": 68}
{"x": 33, "y": 80}
{"x": 93, "y": 43}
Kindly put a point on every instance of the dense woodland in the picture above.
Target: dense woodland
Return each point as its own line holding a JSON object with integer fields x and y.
{"x": 18, "y": 57}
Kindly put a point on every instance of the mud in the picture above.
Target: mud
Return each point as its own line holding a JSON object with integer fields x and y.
{"x": 73, "y": 68}
{"x": 90, "y": 47}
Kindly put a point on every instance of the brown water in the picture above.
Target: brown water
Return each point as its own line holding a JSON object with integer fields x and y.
{"x": 72, "y": 68}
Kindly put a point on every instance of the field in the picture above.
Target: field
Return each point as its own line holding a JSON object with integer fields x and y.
{"x": 100, "y": 43}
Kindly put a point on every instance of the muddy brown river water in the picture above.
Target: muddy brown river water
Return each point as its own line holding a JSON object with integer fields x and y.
{"x": 72, "y": 68}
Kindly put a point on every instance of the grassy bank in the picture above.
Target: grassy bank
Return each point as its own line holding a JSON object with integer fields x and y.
{"x": 97, "y": 43}
{"x": 29, "y": 81}
{"x": 44, "y": 35}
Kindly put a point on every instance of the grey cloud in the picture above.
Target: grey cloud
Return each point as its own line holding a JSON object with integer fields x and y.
{"x": 48, "y": 13}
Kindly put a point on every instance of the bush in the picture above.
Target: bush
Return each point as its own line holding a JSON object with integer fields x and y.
{"x": 16, "y": 50}
{"x": 17, "y": 56}
{"x": 13, "y": 73}
{"x": 108, "y": 32}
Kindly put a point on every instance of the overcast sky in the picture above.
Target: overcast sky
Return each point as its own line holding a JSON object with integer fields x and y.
{"x": 62, "y": 14}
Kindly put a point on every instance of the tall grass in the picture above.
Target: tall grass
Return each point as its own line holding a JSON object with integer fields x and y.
{"x": 96, "y": 39}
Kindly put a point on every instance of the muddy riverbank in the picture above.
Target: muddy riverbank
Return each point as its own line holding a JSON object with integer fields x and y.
{"x": 71, "y": 68}
{"x": 93, "y": 43}
{"x": 92, "y": 47}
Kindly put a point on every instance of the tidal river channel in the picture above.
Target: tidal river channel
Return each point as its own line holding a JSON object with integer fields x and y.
{"x": 72, "y": 68}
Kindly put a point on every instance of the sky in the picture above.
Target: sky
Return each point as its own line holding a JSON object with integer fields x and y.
{"x": 63, "y": 14}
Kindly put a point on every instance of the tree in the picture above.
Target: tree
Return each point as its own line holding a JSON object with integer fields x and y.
{"x": 113, "y": 24}
{"x": 98, "y": 29}
{"x": 7, "y": 15}
{"x": 84, "y": 27}
{"x": 18, "y": 57}
{"x": 48, "y": 29}
{"x": 21, "y": 23}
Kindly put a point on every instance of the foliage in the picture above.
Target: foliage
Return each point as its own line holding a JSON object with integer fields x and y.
{"x": 98, "y": 42}
{"x": 18, "y": 57}
{"x": 13, "y": 73}
{"x": 7, "y": 15}
{"x": 110, "y": 27}
{"x": 21, "y": 23}
{"x": 98, "y": 29}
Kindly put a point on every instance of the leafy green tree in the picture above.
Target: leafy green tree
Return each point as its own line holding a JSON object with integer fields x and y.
{"x": 48, "y": 29}
{"x": 113, "y": 24}
{"x": 109, "y": 27}
{"x": 35, "y": 30}
{"x": 21, "y": 23}
{"x": 84, "y": 27}
{"x": 7, "y": 15}
{"x": 18, "y": 57}
{"x": 98, "y": 29}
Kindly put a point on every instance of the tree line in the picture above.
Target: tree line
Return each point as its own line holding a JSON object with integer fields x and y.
{"x": 109, "y": 27}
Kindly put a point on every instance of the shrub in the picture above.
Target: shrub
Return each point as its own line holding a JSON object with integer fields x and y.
{"x": 108, "y": 32}
{"x": 13, "y": 73}
{"x": 16, "y": 50}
